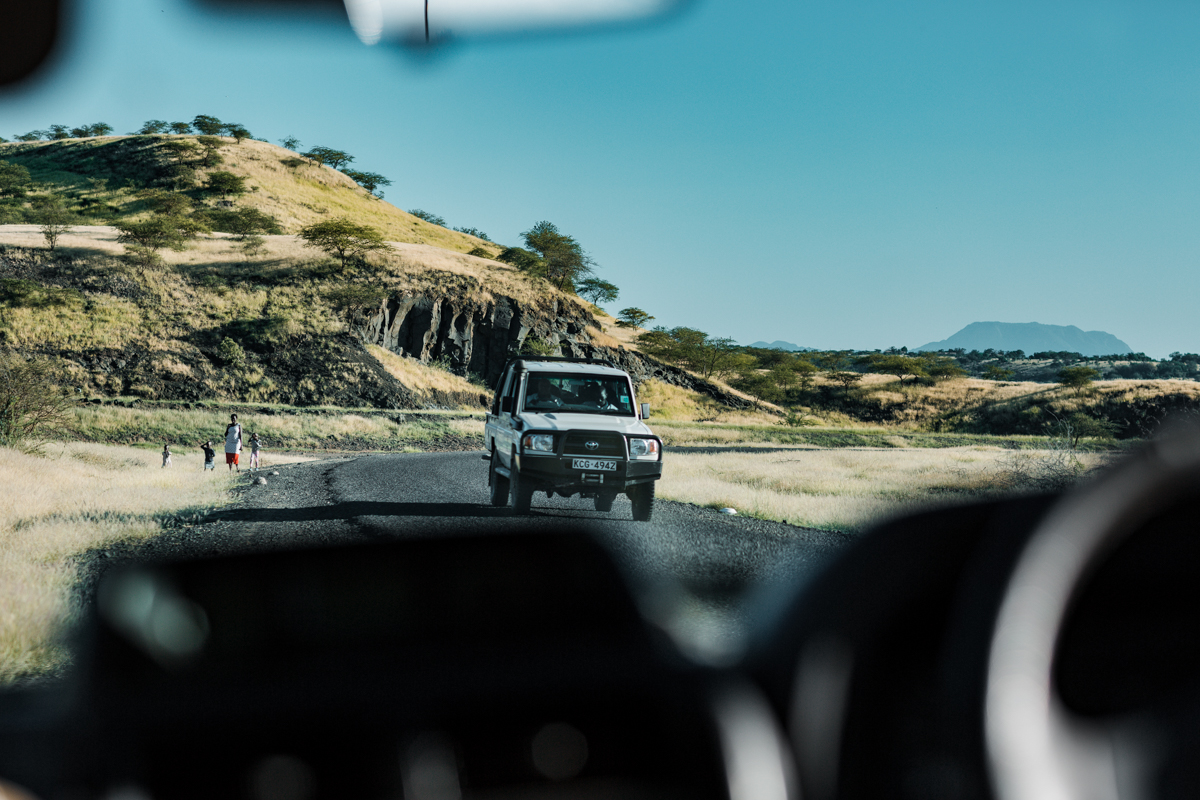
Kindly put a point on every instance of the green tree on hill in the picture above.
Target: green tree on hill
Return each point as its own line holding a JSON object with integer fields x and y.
{"x": 633, "y": 318}
{"x": 343, "y": 238}
{"x": 1077, "y": 378}
{"x": 598, "y": 291}
{"x": 145, "y": 238}
{"x": 14, "y": 180}
{"x": 368, "y": 180}
{"x": 208, "y": 125}
{"x": 179, "y": 150}
{"x": 428, "y": 216}
{"x": 290, "y": 142}
{"x": 33, "y": 136}
{"x": 59, "y": 132}
{"x": 243, "y": 222}
{"x": 167, "y": 203}
{"x": 900, "y": 366}
{"x": 152, "y": 126}
{"x": 237, "y": 131}
{"x": 225, "y": 184}
{"x": 209, "y": 157}
{"x": 563, "y": 260}
{"x": 995, "y": 372}
{"x": 181, "y": 127}
{"x": 329, "y": 157}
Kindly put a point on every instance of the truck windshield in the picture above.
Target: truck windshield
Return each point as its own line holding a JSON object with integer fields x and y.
{"x": 578, "y": 394}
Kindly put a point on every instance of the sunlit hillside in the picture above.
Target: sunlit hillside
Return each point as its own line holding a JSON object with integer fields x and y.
{"x": 102, "y": 175}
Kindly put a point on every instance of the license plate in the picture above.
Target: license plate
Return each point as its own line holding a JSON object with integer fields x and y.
{"x": 595, "y": 464}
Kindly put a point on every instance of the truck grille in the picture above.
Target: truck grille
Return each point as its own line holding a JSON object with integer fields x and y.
{"x": 610, "y": 444}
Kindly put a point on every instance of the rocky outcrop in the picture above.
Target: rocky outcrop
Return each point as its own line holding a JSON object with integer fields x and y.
{"x": 478, "y": 338}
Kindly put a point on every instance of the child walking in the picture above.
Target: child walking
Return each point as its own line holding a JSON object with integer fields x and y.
{"x": 210, "y": 455}
{"x": 255, "y": 445}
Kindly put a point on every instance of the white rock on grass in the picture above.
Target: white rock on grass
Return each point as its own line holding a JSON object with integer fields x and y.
{"x": 260, "y": 481}
{"x": 728, "y": 510}
{"x": 275, "y": 472}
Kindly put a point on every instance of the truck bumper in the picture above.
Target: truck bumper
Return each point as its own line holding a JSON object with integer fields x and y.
{"x": 557, "y": 474}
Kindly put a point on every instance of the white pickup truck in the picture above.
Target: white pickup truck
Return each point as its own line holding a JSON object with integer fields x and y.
{"x": 570, "y": 426}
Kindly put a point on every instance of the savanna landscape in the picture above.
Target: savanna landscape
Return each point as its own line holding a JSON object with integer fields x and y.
{"x": 154, "y": 283}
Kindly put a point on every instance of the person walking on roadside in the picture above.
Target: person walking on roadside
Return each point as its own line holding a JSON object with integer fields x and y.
{"x": 166, "y": 455}
{"x": 255, "y": 445}
{"x": 210, "y": 455}
{"x": 233, "y": 443}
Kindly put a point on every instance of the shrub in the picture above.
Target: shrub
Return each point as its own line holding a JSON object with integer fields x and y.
{"x": 231, "y": 353}
{"x": 533, "y": 346}
{"x": 31, "y": 405}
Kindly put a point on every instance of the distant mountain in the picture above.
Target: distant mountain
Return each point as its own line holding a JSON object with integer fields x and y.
{"x": 780, "y": 345}
{"x": 1032, "y": 337}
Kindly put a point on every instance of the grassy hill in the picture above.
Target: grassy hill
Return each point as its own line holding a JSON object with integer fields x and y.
{"x": 100, "y": 178}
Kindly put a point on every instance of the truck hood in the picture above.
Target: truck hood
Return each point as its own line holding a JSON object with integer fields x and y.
{"x": 588, "y": 422}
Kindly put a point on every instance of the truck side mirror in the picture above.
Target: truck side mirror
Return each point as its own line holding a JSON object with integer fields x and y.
{"x": 506, "y": 405}
{"x": 645, "y": 410}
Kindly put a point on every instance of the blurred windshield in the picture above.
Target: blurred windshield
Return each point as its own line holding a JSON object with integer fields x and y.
{"x": 577, "y": 394}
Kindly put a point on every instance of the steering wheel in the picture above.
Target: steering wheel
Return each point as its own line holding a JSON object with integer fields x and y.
{"x": 1037, "y": 747}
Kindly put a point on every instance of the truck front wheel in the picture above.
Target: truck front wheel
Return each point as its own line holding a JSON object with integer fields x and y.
{"x": 642, "y": 498}
{"x": 521, "y": 490}
{"x": 499, "y": 483}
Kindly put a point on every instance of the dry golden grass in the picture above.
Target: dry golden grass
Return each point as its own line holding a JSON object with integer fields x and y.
{"x": 836, "y": 489}
{"x": 79, "y": 497}
{"x": 674, "y": 403}
{"x": 430, "y": 381}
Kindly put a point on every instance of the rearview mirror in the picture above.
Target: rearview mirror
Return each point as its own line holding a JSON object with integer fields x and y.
{"x": 506, "y": 405}
{"x": 645, "y": 410}
{"x": 422, "y": 22}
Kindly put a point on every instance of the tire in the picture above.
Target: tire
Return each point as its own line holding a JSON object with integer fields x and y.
{"x": 520, "y": 491}
{"x": 642, "y": 497}
{"x": 499, "y": 484}
{"x": 604, "y": 502}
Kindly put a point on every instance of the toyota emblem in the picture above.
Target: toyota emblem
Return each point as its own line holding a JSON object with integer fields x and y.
{"x": 591, "y": 445}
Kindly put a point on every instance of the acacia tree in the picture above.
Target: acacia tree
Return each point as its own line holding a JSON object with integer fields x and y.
{"x": 328, "y": 156}
{"x": 368, "y": 180}
{"x": 633, "y": 318}
{"x": 145, "y": 238}
{"x": 236, "y": 130}
{"x": 151, "y": 126}
{"x": 1077, "y": 378}
{"x": 208, "y": 125}
{"x": 564, "y": 261}
{"x": 210, "y": 145}
{"x": 900, "y": 366}
{"x": 53, "y": 218}
{"x": 597, "y": 290}
{"x": 290, "y": 142}
{"x": 181, "y": 127}
{"x": 343, "y": 238}
{"x": 225, "y": 184}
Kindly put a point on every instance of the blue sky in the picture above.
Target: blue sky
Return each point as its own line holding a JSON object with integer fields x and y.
{"x": 834, "y": 174}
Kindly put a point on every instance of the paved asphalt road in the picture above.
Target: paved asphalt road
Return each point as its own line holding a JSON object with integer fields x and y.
{"x": 705, "y": 563}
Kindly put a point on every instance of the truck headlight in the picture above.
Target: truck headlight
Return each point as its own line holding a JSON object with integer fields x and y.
{"x": 538, "y": 442}
{"x": 643, "y": 448}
